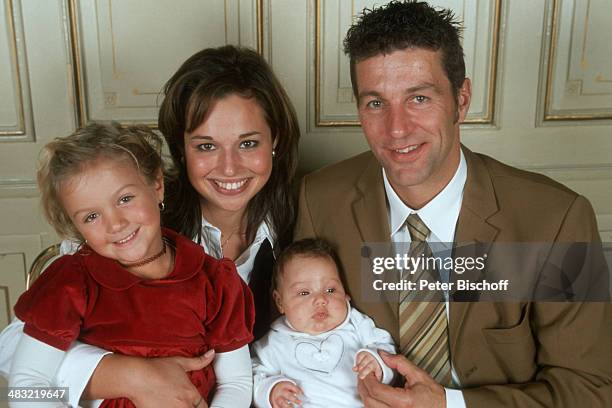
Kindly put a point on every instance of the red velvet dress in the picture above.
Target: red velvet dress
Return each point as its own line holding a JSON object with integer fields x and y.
{"x": 203, "y": 304}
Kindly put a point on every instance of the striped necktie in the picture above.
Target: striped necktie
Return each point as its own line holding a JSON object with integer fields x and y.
{"x": 423, "y": 324}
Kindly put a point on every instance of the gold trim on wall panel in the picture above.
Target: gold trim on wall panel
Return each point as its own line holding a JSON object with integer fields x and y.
{"x": 317, "y": 62}
{"x": 10, "y": 16}
{"x": 489, "y": 115}
{"x": 21, "y": 133}
{"x": 80, "y": 97}
{"x": 552, "y": 48}
{"x": 7, "y": 302}
{"x": 260, "y": 26}
{"x": 80, "y": 111}
{"x": 12, "y": 281}
{"x": 494, "y": 61}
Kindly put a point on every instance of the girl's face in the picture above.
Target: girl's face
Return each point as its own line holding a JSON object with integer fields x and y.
{"x": 229, "y": 156}
{"x": 115, "y": 209}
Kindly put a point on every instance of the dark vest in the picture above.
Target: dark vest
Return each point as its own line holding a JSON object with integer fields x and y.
{"x": 261, "y": 286}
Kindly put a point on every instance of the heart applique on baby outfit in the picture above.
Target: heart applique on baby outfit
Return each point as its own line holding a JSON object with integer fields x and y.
{"x": 322, "y": 356}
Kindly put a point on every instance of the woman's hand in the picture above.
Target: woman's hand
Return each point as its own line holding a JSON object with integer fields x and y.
{"x": 149, "y": 382}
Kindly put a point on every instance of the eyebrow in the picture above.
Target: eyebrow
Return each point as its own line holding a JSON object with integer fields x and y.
{"x": 334, "y": 280}
{"x": 241, "y": 136}
{"x": 297, "y": 284}
{"x": 412, "y": 89}
{"x": 86, "y": 210}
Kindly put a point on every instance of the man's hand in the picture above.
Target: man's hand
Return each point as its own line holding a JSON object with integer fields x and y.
{"x": 284, "y": 393}
{"x": 366, "y": 363}
{"x": 420, "y": 389}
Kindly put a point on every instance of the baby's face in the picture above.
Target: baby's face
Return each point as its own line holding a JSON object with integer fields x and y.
{"x": 311, "y": 295}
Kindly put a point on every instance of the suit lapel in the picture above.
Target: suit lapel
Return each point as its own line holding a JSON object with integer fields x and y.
{"x": 473, "y": 227}
{"x": 370, "y": 205}
{"x": 371, "y": 214}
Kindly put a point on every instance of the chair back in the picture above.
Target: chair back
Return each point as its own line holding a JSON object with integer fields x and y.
{"x": 41, "y": 262}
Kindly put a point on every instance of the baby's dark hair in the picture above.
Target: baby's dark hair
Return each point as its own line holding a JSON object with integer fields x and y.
{"x": 307, "y": 248}
{"x": 65, "y": 157}
{"x": 399, "y": 25}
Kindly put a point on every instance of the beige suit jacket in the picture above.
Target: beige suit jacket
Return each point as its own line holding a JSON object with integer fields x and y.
{"x": 505, "y": 354}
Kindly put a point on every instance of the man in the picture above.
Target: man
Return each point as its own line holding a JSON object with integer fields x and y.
{"x": 417, "y": 183}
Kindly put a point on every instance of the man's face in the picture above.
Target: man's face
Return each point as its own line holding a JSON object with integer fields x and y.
{"x": 411, "y": 118}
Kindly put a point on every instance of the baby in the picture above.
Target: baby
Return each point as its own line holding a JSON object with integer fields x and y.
{"x": 313, "y": 354}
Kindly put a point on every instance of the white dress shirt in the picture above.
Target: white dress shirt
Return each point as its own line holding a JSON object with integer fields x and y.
{"x": 211, "y": 242}
{"x": 440, "y": 215}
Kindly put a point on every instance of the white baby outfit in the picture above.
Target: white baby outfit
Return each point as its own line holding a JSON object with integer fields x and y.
{"x": 321, "y": 365}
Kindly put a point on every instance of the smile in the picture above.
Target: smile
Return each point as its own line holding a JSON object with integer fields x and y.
{"x": 126, "y": 239}
{"x": 407, "y": 149}
{"x": 233, "y": 186}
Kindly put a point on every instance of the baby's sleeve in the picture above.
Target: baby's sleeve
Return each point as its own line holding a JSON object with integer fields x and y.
{"x": 53, "y": 308}
{"x": 373, "y": 339}
{"x": 230, "y": 313}
{"x": 267, "y": 370}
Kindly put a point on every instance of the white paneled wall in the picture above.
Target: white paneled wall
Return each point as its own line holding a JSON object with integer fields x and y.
{"x": 541, "y": 71}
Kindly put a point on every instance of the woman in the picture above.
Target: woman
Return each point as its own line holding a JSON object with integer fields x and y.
{"x": 233, "y": 136}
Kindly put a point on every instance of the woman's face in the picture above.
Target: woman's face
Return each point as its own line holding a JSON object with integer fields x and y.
{"x": 229, "y": 156}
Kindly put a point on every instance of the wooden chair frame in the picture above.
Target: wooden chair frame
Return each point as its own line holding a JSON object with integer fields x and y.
{"x": 41, "y": 261}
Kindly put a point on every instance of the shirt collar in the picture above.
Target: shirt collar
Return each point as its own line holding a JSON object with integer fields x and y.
{"x": 211, "y": 238}
{"x": 440, "y": 214}
{"x": 188, "y": 261}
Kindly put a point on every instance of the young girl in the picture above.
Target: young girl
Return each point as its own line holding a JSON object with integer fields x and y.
{"x": 133, "y": 288}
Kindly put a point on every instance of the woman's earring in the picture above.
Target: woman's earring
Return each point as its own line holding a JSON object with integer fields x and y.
{"x": 162, "y": 206}
{"x": 273, "y": 152}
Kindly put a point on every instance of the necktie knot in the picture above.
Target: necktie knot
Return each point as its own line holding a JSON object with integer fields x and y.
{"x": 417, "y": 228}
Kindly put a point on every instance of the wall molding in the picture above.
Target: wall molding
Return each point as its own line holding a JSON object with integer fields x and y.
{"x": 486, "y": 118}
{"x": 23, "y": 130}
{"x": 18, "y": 188}
{"x": 573, "y": 172}
{"x": 82, "y": 103}
{"x": 573, "y": 87}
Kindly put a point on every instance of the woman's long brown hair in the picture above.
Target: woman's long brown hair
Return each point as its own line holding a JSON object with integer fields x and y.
{"x": 203, "y": 79}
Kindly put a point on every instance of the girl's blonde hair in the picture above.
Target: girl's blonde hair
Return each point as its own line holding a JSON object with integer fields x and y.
{"x": 68, "y": 156}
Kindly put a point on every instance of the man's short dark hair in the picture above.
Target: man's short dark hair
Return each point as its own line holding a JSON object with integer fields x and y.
{"x": 399, "y": 25}
{"x": 307, "y": 248}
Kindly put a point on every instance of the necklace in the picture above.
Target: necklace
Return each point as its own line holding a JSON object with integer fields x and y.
{"x": 230, "y": 236}
{"x": 147, "y": 260}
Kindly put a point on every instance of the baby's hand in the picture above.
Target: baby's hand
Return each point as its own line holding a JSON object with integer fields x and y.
{"x": 366, "y": 363}
{"x": 285, "y": 394}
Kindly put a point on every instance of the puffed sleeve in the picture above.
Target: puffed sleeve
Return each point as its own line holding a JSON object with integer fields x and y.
{"x": 52, "y": 309}
{"x": 230, "y": 313}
